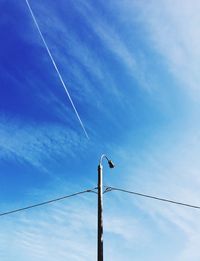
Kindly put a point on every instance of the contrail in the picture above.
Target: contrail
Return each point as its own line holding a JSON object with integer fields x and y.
{"x": 56, "y": 68}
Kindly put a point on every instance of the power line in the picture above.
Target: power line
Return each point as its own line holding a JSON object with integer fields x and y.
{"x": 46, "y": 202}
{"x": 56, "y": 68}
{"x": 108, "y": 189}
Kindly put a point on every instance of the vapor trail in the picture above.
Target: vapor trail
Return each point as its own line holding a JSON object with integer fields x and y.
{"x": 56, "y": 68}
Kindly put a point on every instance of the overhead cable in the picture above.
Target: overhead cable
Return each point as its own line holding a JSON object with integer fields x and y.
{"x": 108, "y": 189}
{"x": 46, "y": 202}
{"x": 56, "y": 68}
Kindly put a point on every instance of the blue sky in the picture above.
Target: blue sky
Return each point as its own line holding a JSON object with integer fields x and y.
{"x": 132, "y": 70}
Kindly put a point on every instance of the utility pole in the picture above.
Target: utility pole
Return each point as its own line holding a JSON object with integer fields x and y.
{"x": 100, "y": 213}
{"x": 100, "y": 206}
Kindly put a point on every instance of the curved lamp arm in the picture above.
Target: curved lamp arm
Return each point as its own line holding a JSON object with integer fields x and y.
{"x": 110, "y": 163}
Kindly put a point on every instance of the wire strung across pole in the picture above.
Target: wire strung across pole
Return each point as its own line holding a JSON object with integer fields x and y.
{"x": 109, "y": 189}
{"x": 56, "y": 68}
{"x": 46, "y": 202}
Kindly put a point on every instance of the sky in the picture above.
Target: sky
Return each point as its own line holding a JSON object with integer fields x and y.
{"x": 132, "y": 70}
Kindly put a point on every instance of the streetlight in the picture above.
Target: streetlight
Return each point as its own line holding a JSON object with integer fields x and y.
{"x": 100, "y": 205}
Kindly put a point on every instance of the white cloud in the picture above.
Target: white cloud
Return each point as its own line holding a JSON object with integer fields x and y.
{"x": 113, "y": 41}
{"x": 173, "y": 30}
{"x": 36, "y": 143}
{"x": 77, "y": 59}
{"x": 59, "y": 232}
{"x": 67, "y": 231}
{"x": 170, "y": 170}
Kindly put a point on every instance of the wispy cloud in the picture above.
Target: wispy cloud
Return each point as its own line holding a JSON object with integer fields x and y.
{"x": 114, "y": 42}
{"x": 171, "y": 171}
{"x": 85, "y": 72}
{"x": 67, "y": 230}
{"x": 172, "y": 28}
{"x": 59, "y": 232}
{"x": 168, "y": 166}
{"x": 36, "y": 143}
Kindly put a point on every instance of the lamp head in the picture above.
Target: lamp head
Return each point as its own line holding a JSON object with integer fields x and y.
{"x": 111, "y": 164}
